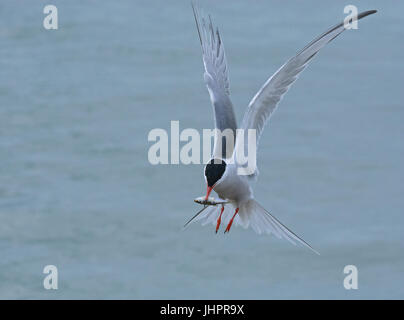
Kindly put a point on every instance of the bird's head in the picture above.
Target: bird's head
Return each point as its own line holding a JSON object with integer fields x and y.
{"x": 214, "y": 171}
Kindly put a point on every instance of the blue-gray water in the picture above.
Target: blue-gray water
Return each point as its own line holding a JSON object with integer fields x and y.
{"x": 77, "y": 190}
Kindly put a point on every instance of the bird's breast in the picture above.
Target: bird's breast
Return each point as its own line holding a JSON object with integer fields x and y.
{"x": 234, "y": 188}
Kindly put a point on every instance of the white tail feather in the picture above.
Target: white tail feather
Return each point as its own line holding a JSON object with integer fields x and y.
{"x": 254, "y": 215}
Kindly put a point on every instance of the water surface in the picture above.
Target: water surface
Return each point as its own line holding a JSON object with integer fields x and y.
{"x": 77, "y": 190}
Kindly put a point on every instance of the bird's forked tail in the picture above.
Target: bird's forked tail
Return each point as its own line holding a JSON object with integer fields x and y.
{"x": 261, "y": 221}
{"x": 251, "y": 214}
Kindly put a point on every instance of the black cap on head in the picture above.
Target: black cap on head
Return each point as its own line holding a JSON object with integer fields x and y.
{"x": 214, "y": 170}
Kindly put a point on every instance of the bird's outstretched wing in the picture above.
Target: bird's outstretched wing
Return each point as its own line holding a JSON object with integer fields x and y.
{"x": 217, "y": 82}
{"x": 267, "y": 98}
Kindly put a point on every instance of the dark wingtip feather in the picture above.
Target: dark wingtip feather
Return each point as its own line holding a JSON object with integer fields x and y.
{"x": 197, "y": 22}
{"x": 366, "y": 13}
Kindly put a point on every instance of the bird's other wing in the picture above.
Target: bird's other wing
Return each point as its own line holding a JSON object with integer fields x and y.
{"x": 267, "y": 98}
{"x": 217, "y": 81}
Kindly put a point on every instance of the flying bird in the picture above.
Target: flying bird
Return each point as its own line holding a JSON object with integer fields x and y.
{"x": 221, "y": 172}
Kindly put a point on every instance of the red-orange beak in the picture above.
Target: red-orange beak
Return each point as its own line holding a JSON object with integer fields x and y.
{"x": 208, "y": 192}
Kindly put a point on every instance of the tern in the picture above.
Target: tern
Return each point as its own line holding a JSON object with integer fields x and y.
{"x": 221, "y": 174}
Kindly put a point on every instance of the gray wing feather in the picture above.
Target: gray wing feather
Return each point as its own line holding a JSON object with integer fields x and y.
{"x": 217, "y": 80}
{"x": 267, "y": 98}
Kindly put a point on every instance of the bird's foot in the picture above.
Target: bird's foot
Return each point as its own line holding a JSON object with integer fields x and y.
{"x": 219, "y": 220}
{"x": 231, "y": 222}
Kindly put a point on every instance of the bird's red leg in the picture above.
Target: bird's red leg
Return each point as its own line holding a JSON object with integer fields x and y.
{"x": 219, "y": 219}
{"x": 231, "y": 222}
